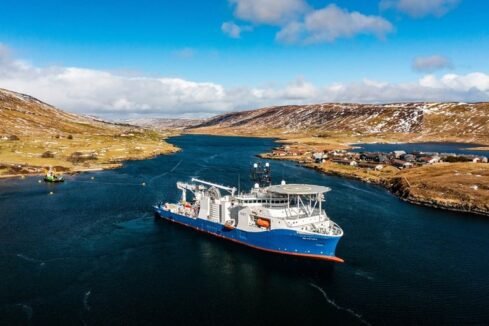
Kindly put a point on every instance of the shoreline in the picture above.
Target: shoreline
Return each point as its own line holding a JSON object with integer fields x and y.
{"x": 115, "y": 164}
{"x": 400, "y": 190}
{"x": 427, "y": 189}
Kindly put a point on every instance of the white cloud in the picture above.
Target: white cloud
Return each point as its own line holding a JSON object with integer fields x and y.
{"x": 476, "y": 81}
{"x": 272, "y": 12}
{"x": 300, "y": 23}
{"x": 90, "y": 91}
{"x": 421, "y": 8}
{"x": 431, "y": 63}
{"x": 331, "y": 23}
{"x": 233, "y": 30}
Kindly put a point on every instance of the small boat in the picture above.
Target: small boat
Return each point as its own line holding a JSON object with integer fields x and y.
{"x": 52, "y": 177}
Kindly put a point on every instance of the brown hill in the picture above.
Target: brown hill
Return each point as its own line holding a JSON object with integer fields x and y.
{"x": 454, "y": 121}
{"x": 35, "y": 135}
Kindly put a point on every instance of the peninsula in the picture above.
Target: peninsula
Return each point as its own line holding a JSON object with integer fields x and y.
{"x": 35, "y": 136}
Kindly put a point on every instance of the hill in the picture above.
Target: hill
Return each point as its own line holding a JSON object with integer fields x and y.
{"x": 35, "y": 135}
{"x": 312, "y": 128}
{"x": 165, "y": 123}
{"x": 382, "y": 122}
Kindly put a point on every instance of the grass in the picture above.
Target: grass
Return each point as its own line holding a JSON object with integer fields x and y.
{"x": 109, "y": 149}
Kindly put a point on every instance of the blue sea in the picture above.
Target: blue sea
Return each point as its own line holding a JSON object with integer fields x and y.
{"x": 93, "y": 254}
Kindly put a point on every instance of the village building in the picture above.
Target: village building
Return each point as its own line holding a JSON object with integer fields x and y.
{"x": 398, "y": 154}
{"x": 408, "y": 157}
{"x": 429, "y": 159}
{"x": 401, "y": 164}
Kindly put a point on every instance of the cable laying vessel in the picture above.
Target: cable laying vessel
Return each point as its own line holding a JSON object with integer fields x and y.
{"x": 285, "y": 219}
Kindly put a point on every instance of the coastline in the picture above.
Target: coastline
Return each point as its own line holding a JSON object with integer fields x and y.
{"x": 436, "y": 186}
{"x": 119, "y": 151}
{"x": 397, "y": 185}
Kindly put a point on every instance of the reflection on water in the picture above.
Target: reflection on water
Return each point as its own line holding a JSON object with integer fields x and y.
{"x": 92, "y": 253}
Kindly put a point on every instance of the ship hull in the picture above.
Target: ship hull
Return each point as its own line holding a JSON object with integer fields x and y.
{"x": 281, "y": 241}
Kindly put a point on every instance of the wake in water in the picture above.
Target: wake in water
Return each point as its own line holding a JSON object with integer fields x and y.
{"x": 85, "y": 300}
{"x": 338, "y": 307}
{"x": 31, "y": 260}
{"x": 165, "y": 173}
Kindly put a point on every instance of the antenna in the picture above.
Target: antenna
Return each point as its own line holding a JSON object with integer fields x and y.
{"x": 239, "y": 183}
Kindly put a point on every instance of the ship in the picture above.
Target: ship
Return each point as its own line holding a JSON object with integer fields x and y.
{"x": 286, "y": 219}
{"x": 52, "y": 177}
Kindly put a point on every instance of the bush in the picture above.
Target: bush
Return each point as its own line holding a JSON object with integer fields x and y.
{"x": 78, "y": 157}
{"x": 455, "y": 159}
{"x": 13, "y": 137}
{"x": 70, "y": 137}
{"x": 47, "y": 154}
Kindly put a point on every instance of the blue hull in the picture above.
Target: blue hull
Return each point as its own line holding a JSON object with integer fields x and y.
{"x": 280, "y": 241}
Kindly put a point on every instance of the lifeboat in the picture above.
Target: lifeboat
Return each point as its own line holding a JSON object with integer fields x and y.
{"x": 262, "y": 222}
{"x": 230, "y": 225}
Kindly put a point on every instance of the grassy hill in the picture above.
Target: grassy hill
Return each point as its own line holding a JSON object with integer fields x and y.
{"x": 35, "y": 135}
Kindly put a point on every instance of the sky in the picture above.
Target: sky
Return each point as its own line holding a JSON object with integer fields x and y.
{"x": 156, "y": 58}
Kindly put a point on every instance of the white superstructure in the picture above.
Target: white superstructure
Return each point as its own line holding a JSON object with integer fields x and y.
{"x": 296, "y": 207}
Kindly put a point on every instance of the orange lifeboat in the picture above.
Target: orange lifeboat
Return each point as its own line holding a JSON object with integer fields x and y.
{"x": 264, "y": 223}
{"x": 230, "y": 224}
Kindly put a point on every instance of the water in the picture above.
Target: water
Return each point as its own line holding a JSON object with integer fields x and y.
{"x": 456, "y": 148}
{"x": 92, "y": 253}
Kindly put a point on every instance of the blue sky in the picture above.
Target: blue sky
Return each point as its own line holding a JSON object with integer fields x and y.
{"x": 246, "y": 51}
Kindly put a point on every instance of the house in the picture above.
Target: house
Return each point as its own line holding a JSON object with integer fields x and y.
{"x": 408, "y": 157}
{"x": 379, "y": 167}
{"x": 429, "y": 159}
{"x": 374, "y": 157}
{"x": 479, "y": 159}
{"x": 279, "y": 153}
{"x": 319, "y": 157}
{"x": 401, "y": 164}
{"x": 397, "y": 154}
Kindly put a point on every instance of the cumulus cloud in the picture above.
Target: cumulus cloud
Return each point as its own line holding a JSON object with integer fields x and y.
{"x": 431, "y": 63}
{"x": 298, "y": 22}
{"x": 421, "y": 8}
{"x": 272, "y": 12}
{"x": 233, "y": 30}
{"x": 331, "y": 23}
{"x": 109, "y": 95}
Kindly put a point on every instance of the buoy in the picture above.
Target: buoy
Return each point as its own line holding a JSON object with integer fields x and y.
{"x": 39, "y": 181}
{"x": 143, "y": 184}
{"x": 92, "y": 178}
{"x": 51, "y": 192}
{"x": 22, "y": 177}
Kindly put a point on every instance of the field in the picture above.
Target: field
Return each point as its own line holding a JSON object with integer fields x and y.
{"x": 34, "y": 155}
